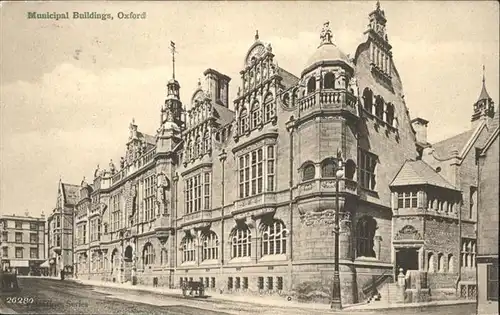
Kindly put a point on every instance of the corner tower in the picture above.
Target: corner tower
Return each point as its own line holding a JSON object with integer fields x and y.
{"x": 484, "y": 107}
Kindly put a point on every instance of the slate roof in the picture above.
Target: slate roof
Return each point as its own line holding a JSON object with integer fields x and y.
{"x": 147, "y": 138}
{"x": 71, "y": 193}
{"x": 223, "y": 114}
{"x": 419, "y": 173}
{"x": 289, "y": 79}
{"x": 445, "y": 147}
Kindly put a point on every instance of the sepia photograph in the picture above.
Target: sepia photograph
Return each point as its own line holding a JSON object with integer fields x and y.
{"x": 249, "y": 157}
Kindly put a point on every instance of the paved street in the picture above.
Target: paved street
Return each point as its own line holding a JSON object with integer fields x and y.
{"x": 66, "y": 297}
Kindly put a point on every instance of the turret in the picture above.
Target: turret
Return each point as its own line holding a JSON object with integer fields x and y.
{"x": 484, "y": 107}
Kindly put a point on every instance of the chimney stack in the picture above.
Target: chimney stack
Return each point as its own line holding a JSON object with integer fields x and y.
{"x": 420, "y": 127}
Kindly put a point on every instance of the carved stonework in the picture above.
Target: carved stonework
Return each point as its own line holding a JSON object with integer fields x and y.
{"x": 408, "y": 232}
{"x": 318, "y": 218}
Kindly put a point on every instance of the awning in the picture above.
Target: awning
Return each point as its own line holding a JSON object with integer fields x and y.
{"x": 19, "y": 263}
{"x": 45, "y": 264}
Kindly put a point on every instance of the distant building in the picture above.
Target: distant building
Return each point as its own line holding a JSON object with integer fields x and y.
{"x": 244, "y": 200}
{"x": 60, "y": 230}
{"x": 487, "y": 221}
{"x": 22, "y": 242}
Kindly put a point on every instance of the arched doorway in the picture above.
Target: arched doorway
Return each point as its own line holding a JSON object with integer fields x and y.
{"x": 128, "y": 263}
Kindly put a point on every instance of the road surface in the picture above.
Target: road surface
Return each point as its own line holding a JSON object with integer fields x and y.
{"x": 47, "y": 296}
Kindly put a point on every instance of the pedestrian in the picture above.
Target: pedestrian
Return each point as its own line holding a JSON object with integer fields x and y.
{"x": 62, "y": 274}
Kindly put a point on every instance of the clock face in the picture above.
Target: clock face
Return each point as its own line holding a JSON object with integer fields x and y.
{"x": 256, "y": 52}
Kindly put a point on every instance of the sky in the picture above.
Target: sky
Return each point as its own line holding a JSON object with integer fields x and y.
{"x": 70, "y": 88}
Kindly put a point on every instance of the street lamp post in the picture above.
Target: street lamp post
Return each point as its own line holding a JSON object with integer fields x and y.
{"x": 336, "y": 302}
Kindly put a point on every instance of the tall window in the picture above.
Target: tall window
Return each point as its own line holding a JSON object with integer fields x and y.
{"x": 19, "y": 237}
{"x": 309, "y": 172}
{"x": 115, "y": 260}
{"x": 206, "y": 191}
{"x": 328, "y": 168}
{"x": 149, "y": 186}
{"x": 210, "y": 246}
{"x": 468, "y": 254}
{"x": 248, "y": 166}
{"x": 269, "y": 107}
{"x": 33, "y": 226}
{"x": 197, "y": 192}
{"x": 256, "y": 118}
{"x": 270, "y": 168}
{"x": 274, "y": 238}
{"x": 441, "y": 262}
{"x": 451, "y": 263}
{"x": 379, "y": 107}
{"x": 368, "y": 100}
{"x": 188, "y": 249}
{"x": 5, "y": 236}
{"x": 34, "y": 253}
{"x": 311, "y": 85}
{"x": 329, "y": 81}
{"x": 19, "y": 252}
{"x": 244, "y": 123}
{"x": 206, "y": 142}
{"x": 93, "y": 230}
{"x": 430, "y": 262}
{"x": 365, "y": 233}
{"x": 472, "y": 201}
{"x": 492, "y": 282}
{"x": 407, "y": 199}
{"x": 148, "y": 254}
{"x": 241, "y": 242}
{"x": 58, "y": 221}
{"x": 19, "y": 224}
{"x": 84, "y": 235}
{"x": 115, "y": 212}
{"x": 5, "y": 251}
{"x": 58, "y": 240}
{"x": 367, "y": 163}
{"x": 33, "y": 238}
{"x": 389, "y": 114}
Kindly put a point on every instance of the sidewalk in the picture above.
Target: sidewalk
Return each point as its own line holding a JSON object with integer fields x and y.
{"x": 273, "y": 301}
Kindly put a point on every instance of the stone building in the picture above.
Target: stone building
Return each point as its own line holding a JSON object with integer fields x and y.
{"x": 206, "y": 199}
{"x": 60, "y": 230}
{"x": 487, "y": 223}
{"x": 22, "y": 242}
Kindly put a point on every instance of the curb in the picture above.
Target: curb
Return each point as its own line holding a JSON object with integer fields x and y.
{"x": 407, "y": 306}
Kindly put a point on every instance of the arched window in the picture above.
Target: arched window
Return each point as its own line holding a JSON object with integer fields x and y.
{"x": 269, "y": 106}
{"x": 148, "y": 254}
{"x": 188, "y": 249}
{"x": 273, "y": 238}
{"x": 329, "y": 81}
{"x": 309, "y": 172}
{"x": 379, "y": 107}
{"x": 196, "y": 149}
{"x": 430, "y": 262}
{"x": 328, "y": 168}
{"x": 210, "y": 246}
{"x": 241, "y": 242}
{"x": 441, "y": 262}
{"x": 350, "y": 169}
{"x": 389, "y": 114}
{"x": 368, "y": 100}
{"x": 114, "y": 259}
{"x": 311, "y": 85}
{"x": 255, "y": 115}
{"x": 206, "y": 142}
{"x": 451, "y": 263}
{"x": 244, "y": 121}
{"x": 365, "y": 233}
{"x": 94, "y": 261}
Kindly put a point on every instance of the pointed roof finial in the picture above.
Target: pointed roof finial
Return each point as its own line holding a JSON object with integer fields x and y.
{"x": 484, "y": 94}
{"x": 256, "y": 34}
{"x": 172, "y": 49}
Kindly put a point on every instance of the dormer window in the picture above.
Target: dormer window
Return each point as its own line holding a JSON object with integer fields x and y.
{"x": 255, "y": 115}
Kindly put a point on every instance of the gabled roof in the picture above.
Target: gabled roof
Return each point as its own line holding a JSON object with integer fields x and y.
{"x": 445, "y": 147}
{"x": 223, "y": 114}
{"x": 145, "y": 137}
{"x": 71, "y": 193}
{"x": 419, "y": 173}
{"x": 289, "y": 79}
